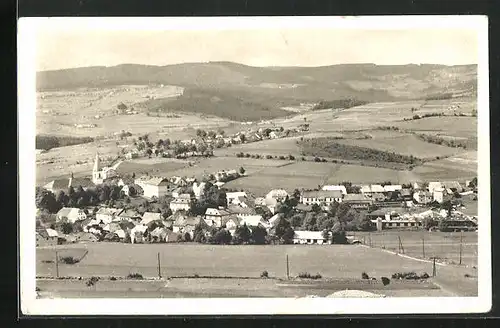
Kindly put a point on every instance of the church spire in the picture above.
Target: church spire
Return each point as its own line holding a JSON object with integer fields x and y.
{"x": 97, "y": 165}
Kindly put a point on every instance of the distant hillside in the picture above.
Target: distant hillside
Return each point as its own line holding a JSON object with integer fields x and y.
{"x": 379, "y": 82}
{"x": 244, "y": 93}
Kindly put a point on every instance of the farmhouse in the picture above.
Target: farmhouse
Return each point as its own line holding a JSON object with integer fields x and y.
{"x": 111, "y": 227}
{"x": 106, "y": 214}
{"x": 154, "y": 186}
{"x": 47, "y": 237}
{"x": 310, "y": 238}
{"x": 392, "y": 188}
{"x": 340, "y": 188}
{"x": 321, "y": 197}
{"x": 131, "y": 155}
{"x": 453, "y": 185}
{"x": 70, "y": 214}
{"x": 434, "y": 185}
{"x": 234, "y": 197}
{"x": 422, "y": 197}
{"x": 180, "y": 204}
{"x": 214, "y": 216}
{"x": 128, "y": 215}
{"x": 277, "y": 194}
{"x": 149, "y": 217}
{"x": 396, "y": 223}
{"x": 254, "y": 221}
{"x": 57, "y": 185}
{"x": 137, "y": 233}
{"x": 186, "y": 224}
{"x": 406, "y": 194}
{"x": 198, "y": 189}
{"x": 358, "y": 201}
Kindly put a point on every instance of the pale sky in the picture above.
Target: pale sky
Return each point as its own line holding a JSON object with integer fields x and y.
{"x": 65, "y": 48}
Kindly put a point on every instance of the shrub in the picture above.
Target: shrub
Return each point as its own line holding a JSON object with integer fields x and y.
{"x": 410, "y": 275}
{"x": 137, "y": 276}
{"x": 264, "y": 274}
{"x": 92, "y": 281}
{"x": 291, "y": 157}
{"x": 196, "y": 275}
{"x": 68, "y": 260}
{"x": 303, "y": 158}
{"x": 385, "y": 281}
{"x": 307, "y": 275}
{"x": 364, "y": 275}
{"x": 317, "y": 159}
{"x": 112, "y": 278}
{"x": 282, "y": 157}
{"x": 269, "y": 157}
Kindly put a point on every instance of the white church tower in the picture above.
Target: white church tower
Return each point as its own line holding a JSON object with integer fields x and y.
{"x": 97, "y": 173}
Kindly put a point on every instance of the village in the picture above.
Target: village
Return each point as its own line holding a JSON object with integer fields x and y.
{"x": 158, "y": 209}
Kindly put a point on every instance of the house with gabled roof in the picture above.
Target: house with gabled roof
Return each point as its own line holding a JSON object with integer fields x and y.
{"x": 180, "y": 204}
{"x": 319, "y": 197}
{"x": 71, "y": 214}
{"x": 310, "y": 238}
{"x": 107, "y": 214}
{"x": 153, "y": 186}
{"x": 186, "y": 224}
{"x": 216, "y": 215}
{"x": 148, "y": 217}
{"x": 340, "y": 188}
{"x": 63, "y": 184}
{"x": 128, "y": 215}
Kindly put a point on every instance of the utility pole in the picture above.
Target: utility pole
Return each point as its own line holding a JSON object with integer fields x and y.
{"x": 401, "y": 245}
{"x": 423, "y": 247}
{"x": 159, "y": 266}
{"x": 461, "y": 239}
{"x": 434, "y": 267}
{"x": 57, "y": 266}
{"x": 287, "y": 268}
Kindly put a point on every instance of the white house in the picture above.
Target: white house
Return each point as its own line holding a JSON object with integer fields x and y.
{"x": 106, "y": 214}
{"x": 148, "y": 217}
{"x": 71, "y": 214}
{"x": 390, "y": 188}
{"x": 216, "y": 216}
{"x": 340, "y": 188}
{"x": 321, "y": 197}
{"x": 153, "y": 187}
{"x": 423, "y": 197}
{"x": 233, "y": 197}
{"x": 254, "y": 221}
{"x": 310, "y": 237}
{"x": 137, "y": 233}
{"x": 198, "y": 189}
{"x": 180, "y": 204}
{"x": 434, "y": 185}
{"x": 277, "y": 194}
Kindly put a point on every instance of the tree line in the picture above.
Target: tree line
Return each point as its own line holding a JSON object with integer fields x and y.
{"x": 47, "y": 142}
{"x": 327, "y": 147}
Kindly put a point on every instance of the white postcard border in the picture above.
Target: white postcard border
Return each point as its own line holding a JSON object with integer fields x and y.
{"x": 27, "y": 28}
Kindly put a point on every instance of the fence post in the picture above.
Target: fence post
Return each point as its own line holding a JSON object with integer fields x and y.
{"x": 159, "y": 266}
{"x": 434, "y": 267}
{"x": 401, "y": 245}
{"x": 287, "y": 268}
{"x": 423, "y": 247}
{"x": 57, "y": 266}
{"x": 461, "y": 239}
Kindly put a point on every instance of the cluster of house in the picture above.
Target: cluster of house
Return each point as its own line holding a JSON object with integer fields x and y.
{"x": 220, "y": 140}
{"x": 117, "y": 224}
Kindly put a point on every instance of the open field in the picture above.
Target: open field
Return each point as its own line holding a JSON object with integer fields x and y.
{"x": 450, "y": 125}
{"x": 205, "y": 287}
{"x": 310, "y": 175}
{"x": 182, "y": 260}
{"x": 274, "y": 147}
{"x": 460, "y": 167}
{"x": 404, "y": 144}
{"x": 443, "y": 245}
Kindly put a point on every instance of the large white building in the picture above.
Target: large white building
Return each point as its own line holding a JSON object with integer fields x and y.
{"x": 180, "y": 204}
{"x": 340, "y": 188}
{"x": 99, "y": 174}
{"x": 153, "y": 186}
{"x": 321, "y": 197}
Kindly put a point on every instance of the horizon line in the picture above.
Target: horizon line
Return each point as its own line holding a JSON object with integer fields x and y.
{"x": 253, "y": 66}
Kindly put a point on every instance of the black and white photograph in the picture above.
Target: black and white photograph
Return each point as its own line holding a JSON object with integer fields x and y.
{"x": 254, "y": 165}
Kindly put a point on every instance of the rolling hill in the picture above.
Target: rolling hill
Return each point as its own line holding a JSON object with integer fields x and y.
{"x": 242, "y": 92}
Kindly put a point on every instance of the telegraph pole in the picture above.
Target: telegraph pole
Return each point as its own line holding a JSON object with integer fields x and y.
{"x": 461, "y": 239}
{"x": 287, "y": 268}
{"x": 57, "y": 266}
{"x": 159, "y": 266}
{"x": 423, "y": 247}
